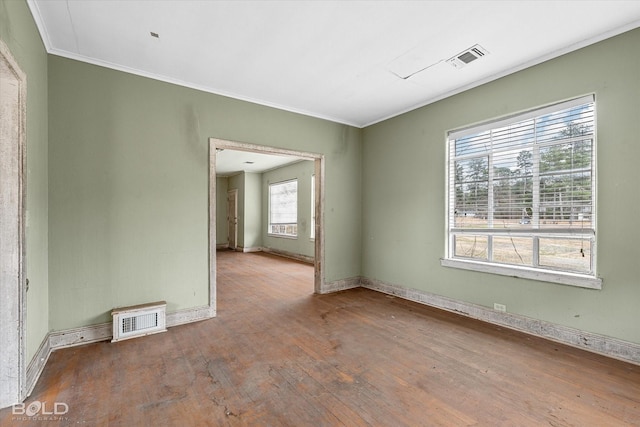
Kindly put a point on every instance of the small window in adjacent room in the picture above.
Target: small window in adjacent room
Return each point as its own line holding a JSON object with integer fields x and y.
{"x": 521, "y": 195}
{"x": 283, "y": 209}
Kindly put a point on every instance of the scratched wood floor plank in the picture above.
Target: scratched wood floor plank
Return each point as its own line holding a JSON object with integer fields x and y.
{"x": 278, "y": 355}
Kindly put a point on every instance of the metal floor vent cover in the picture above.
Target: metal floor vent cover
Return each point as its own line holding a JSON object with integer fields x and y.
{"x": 138, "y": 320}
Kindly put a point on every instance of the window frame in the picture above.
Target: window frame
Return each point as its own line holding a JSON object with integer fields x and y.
{"x": 535, "y": 271}
{"x": 270, "y": 233}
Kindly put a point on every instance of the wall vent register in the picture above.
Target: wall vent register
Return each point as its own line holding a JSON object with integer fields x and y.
{"x": 138, "y": 320}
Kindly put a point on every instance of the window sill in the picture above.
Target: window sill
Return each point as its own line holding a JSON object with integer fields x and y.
{"x": 572, "y": 279}
{"x": 283, "y": 236}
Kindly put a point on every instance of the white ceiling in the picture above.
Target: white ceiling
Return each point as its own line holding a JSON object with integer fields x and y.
{"x": 231, "y": 162}
{"x": 339, "y": 60}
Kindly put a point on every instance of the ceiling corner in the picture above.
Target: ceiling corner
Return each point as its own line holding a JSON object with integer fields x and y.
{"x": 42, "y": 28}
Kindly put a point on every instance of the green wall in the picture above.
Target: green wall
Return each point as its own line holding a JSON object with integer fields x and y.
{"x": 222, "y": 228}
{"x": 128, "y": 206}
{"x": 404, "y": 191}
{"x": 253, "y": 210}
{"x": 19, "y": 33}
{"x": 302, "y": 245}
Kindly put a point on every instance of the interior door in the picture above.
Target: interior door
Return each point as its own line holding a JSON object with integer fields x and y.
{"x": 232, "y": 218}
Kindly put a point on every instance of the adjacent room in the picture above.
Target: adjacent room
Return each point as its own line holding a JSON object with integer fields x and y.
{"x": 376, "y": 213}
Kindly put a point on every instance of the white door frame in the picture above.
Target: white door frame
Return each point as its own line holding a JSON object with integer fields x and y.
{"x": 233, "y": 191}
{"x": 12, "y": 235}
{"x": 318, "y": 159}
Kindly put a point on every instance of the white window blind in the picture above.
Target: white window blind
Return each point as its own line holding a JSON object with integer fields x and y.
{"x": 522, "y": 190}
{"x": 283, "y": 208}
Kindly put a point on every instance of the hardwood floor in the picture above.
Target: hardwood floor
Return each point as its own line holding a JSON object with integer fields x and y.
{"x": 277, "y": 355}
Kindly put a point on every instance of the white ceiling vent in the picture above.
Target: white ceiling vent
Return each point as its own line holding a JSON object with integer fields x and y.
{"x": 466, "y": 57}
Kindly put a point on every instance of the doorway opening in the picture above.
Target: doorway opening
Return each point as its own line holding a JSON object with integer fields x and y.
{"x": 215, "y": 146}
{"x": 12, "y": 233}
{"x": 232, "y": 218}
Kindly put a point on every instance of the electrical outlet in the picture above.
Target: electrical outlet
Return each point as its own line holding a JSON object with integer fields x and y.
{"x": 499, "y": 307}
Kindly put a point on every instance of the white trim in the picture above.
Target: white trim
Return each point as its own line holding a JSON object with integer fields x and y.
{"x": 233, "y": 192}
{"x": 190, "y": 315}
{"x": 318, "y": 263}
{"x": 312, "y": 232}
{"x": 249, "y": 249}
{"x": 245, "y": 146}
{"x": 342, "y": 284}
{"x": 283, "y": 236}
{"x": 13, "y": 304}
{"x": 290, "y": 255}
{"x": 212, "y": 231}
{"x": 600, "y": 344}
{"x": 561, "y": 277}
{"x": 37, "y": 364}
{"x": 42, "y": 29}
{"x": 80, "y": 336}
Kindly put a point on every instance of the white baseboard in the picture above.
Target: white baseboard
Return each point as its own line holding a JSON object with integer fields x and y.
{"x": 36, "y": 366}
{"x": 341, "y": 285}
{"x": 249, "y": 249}
{"x": 291, "y": 255}
{"x": 601, "y": 344}
{"x": 56, "y": 340}
{"x": 189, "y": 315}
{"x": 79, "y": 336}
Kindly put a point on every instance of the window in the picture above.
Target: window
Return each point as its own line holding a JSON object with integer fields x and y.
{"x": 283, "y": 208}
{"x": 521, "y": 195}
